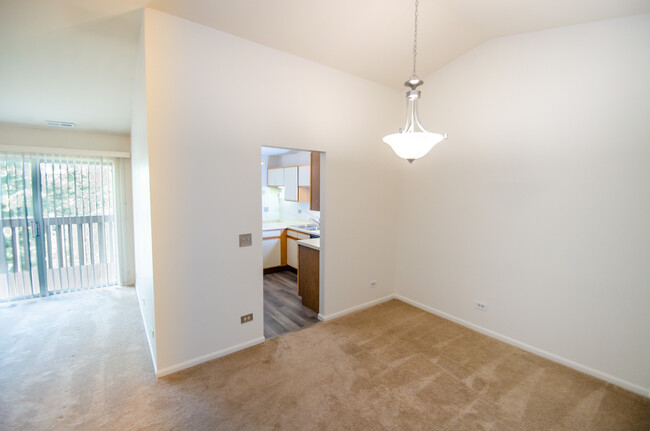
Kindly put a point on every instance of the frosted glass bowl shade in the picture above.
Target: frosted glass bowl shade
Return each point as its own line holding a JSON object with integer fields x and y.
{"x": 413, "y": 145}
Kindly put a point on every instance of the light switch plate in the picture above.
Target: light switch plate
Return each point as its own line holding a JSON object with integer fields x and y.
{"x": 245, "y": 240}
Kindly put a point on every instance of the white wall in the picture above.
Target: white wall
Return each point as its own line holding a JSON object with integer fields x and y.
{"x": 539, "y": 201}
{"x": 143, "y": 247}
{"x": 212, "y": 100}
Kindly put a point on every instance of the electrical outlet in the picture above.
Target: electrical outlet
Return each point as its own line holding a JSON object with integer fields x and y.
{"x": 246, "y": 318}
{"x": 373, "y": 283}
{"x": 481, "y": 306}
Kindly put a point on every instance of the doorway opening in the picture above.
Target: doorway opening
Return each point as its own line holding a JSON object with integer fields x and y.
{"x": 57, "y": 224}
{"x": 291, "y": 239}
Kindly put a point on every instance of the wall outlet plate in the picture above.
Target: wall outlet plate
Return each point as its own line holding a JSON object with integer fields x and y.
{"x": 373, "y": 283}
{"x": 246, "y": 318}
{"x": 245, "y": 240}
{"x": 481, "y": 306}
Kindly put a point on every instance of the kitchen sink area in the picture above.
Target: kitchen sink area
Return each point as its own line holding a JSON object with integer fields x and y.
{"x": 308, "y": 227}
{"x": 281, "y": 240}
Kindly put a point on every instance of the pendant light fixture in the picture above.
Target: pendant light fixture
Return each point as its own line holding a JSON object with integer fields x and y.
{"x": 413, "y": 141}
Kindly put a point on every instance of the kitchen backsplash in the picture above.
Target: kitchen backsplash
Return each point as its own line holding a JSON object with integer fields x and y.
{"x": 274, "y": 207}
{"x": 270, "y": 203}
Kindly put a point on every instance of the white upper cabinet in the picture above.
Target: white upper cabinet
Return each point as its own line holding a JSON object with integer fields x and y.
{"x": 304, "y": 176}
{"x": 291, "y": 183}
{"x": 275, "y": 177}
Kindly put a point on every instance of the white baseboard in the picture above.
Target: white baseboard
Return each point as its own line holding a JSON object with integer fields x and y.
{"x": 543, "y": 353}
{"x": 325, "y": 318}
{"x": 146, "y": 333}
{"x": 210, "y": 356}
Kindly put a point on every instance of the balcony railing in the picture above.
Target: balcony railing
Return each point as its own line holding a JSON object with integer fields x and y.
{"x": 79, "y": 254}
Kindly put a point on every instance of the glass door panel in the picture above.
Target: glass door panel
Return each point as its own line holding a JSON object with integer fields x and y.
{"x": 57, "y": 224}
{"x": 18, "y": 259}
{"x": 79, "y": 223}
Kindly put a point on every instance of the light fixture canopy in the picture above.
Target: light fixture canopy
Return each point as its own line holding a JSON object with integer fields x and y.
{"x": 413, "y": 140}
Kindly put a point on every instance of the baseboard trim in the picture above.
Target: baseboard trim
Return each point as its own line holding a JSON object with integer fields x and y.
{"x": 543, "y": 353}
{"x": 273, "y": 269}
{"x": 210, "y": 356}
{"x": 146, "y": 333}
{"x": 325, "y": 318}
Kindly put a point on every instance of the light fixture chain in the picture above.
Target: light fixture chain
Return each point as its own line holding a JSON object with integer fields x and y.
{"x": 415, "y": 37}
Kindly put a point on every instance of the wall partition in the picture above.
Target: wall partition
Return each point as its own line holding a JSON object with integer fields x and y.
{"x": 58, "y": 224}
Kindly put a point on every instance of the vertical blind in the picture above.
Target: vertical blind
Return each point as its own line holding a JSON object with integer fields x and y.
{"x": 18, "y": 270}
{"x": 58, "y": 224}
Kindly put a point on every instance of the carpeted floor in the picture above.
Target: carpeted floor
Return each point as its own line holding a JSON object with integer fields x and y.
{"x": 81, "y": 362}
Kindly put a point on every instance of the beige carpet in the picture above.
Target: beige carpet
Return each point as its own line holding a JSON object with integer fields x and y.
{"x": 81, "y": 362}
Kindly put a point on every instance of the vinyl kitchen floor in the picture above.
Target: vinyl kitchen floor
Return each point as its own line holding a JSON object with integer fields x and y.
{"x": 283, "y": 309}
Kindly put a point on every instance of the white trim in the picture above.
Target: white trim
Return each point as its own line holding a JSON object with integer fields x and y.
{"x": 146, "y": 332}
{"x": 325, "y": 318}
{"x": 66, "y": 151}
{"x": 208, "y": 357}
{"x": 543, "y": 353}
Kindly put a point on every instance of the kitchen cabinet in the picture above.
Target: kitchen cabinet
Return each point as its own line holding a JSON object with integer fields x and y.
{"x": 304, "y": 180}
{"x": 296, "y": 181}
{"x": 291, "y": 183}
{"x": 304, "y": 176}
{"x": 273, "y": 243}
{"x": 275, "y": 177}
{"x": 292, "y": 247}
{"x": 303, "y": 194}
{"x": 308, "y": 277}
{"x": 314, "y": 199}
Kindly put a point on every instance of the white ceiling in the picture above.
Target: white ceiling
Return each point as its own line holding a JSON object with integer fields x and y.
{"x": 74, "y": 60}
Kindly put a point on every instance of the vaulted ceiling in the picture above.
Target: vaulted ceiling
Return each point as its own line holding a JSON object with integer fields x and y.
{"x": 74, "y": 60}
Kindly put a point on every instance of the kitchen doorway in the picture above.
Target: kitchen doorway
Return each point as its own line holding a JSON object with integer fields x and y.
{"x": 292, "y": 228}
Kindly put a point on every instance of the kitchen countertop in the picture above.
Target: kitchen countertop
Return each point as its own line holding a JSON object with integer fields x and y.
{"x": 284, "y": 224}
{"x": 311, "y": 243}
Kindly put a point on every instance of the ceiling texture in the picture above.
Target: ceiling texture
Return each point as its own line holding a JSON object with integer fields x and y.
{"x": 74, "y": 60}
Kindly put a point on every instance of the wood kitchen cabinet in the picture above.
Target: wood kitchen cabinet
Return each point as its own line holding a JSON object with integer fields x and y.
{"x": 296, "y": 181}
{"x": 314, "y": 199}
{"x": 292, "y": 247}
{"x": 304, "y": 183}
{"x": 308, "y": 277}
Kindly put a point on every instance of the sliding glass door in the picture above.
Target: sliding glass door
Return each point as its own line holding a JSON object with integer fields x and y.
{"x": 19, "y": 276}
{"x": 57, "y": 224}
